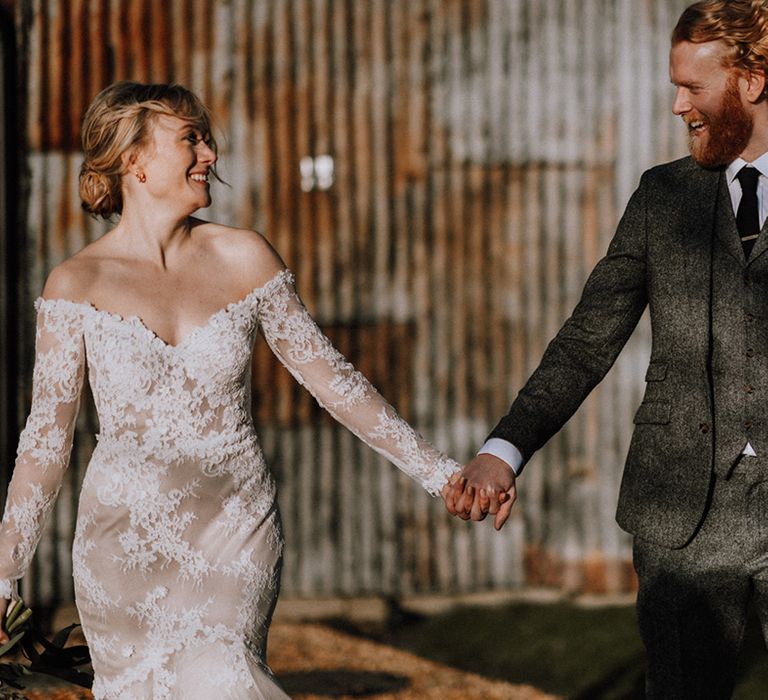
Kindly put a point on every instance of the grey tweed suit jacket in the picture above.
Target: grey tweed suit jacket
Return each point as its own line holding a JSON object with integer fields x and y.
{"x": 660, "y": 256}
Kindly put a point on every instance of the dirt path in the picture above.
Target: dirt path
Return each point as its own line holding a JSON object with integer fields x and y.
{"x": 314, "y": 662}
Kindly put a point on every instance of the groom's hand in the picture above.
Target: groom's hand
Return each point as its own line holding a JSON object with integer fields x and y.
{"x": 487, "y": 486}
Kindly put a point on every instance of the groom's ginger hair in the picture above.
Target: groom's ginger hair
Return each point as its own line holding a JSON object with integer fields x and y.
{"x": 742, "y": 25}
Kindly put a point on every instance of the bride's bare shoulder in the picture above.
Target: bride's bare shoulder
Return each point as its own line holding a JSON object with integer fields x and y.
{"x": 247, "y": 253}
{"x": 74, "y": 278}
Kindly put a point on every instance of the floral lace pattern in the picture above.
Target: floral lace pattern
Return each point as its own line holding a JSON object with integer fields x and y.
{"x": 45, "y": 443}
{"x": 178, "y": 545}
{"x": 345, "y": 393}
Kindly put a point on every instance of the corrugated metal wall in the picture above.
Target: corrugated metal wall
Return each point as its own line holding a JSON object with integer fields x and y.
{"x": 7, "y": 383}
{"x": 483, "y": 152}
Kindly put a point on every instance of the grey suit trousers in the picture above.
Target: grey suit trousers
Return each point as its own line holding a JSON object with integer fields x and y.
{"x": 692, "y": 601}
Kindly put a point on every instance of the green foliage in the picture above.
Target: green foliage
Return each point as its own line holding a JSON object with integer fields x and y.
{"x": 54, "y": 660}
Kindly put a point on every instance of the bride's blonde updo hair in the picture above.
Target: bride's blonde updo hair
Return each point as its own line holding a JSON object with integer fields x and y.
{"x": 741, "y": 24}
{"x": 116, "y": 121}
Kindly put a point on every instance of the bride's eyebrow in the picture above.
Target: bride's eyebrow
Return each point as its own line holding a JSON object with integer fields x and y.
{"x": 195, "y": 129}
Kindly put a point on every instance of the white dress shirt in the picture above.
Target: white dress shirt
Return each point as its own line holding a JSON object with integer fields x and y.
{"x": 734, "y": 186}
{"x": 506, "y": 451}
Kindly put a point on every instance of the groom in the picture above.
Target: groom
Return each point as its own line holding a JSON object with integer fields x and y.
{"x": 690, "y": 246}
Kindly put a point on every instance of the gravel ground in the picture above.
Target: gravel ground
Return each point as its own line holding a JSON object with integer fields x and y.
{"x": 314, "y": 662}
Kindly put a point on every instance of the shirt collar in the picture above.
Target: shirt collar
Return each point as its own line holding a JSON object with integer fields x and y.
{"x": 760, "y": 163}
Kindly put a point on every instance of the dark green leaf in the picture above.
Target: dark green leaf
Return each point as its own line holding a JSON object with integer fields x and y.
{"x": 11, "y": 643}
{"x": 61, "y": 637}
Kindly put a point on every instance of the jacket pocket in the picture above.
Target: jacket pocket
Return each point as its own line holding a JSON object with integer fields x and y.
{"x": 657, "y": 372}
{"x": 653, "y": 412}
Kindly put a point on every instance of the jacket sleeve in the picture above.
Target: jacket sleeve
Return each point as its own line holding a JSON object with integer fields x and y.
{"x": 46, "y": 441}
{"x": 587, "y": 345}
{"x": 345, "y": 393}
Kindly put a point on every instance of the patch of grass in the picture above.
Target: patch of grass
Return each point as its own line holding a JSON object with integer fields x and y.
{"x": 569, "y": 650}
{"x": 559, "y": 648}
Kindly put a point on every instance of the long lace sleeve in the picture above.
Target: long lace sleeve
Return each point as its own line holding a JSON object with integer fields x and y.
{"x": 345, "y": 393}
{"x": 46, "y": 441}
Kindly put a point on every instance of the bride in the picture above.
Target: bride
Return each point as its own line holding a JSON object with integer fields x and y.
{"x": 178, "y": 545}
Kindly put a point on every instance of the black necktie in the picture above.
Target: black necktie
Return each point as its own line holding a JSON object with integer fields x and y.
{"x": 747, "y": 218}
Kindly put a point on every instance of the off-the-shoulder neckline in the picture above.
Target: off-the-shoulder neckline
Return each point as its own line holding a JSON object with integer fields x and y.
{"x": 86, "y": 306}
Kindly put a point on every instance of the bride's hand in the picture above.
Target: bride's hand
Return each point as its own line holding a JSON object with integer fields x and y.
{"x": 453, "y": 480}
{"x": 486, "y": 486}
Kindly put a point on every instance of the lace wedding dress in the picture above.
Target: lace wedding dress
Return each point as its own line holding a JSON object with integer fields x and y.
{"x": 178, "y": 545}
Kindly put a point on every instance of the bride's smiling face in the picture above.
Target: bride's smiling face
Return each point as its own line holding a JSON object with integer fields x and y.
{"x": 175, "y": 163}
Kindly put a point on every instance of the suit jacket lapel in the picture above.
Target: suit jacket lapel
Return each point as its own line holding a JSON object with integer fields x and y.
{"x": 761, "y": 244}
{"x": 725, "y": 226}
{"x": 703, "y": 207}
{"x": 698, "y": 210}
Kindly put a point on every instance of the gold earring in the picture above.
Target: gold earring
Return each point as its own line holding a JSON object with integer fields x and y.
{"x": 141, "y": 177}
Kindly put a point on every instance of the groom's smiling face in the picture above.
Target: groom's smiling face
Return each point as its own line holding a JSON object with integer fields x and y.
{"x": 710, "y": 101}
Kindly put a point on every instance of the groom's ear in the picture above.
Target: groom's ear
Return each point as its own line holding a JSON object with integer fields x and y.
{"x": 755, "y": 85}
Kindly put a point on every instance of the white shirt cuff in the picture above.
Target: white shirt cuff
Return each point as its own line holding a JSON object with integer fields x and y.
{"x": 505, "y": 451}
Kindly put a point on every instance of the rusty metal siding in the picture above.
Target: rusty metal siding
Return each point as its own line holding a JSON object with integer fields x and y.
{"x": 7, "y": 383}
{"x": 484, "y": 150}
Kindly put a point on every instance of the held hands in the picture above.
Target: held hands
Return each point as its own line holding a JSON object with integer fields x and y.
{"x": 486, "y": 485}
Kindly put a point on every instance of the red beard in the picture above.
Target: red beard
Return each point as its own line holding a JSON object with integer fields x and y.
{"x": 729, "y": 131}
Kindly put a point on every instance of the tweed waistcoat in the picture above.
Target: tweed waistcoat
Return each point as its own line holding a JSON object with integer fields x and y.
{"x": 740, "y": 341}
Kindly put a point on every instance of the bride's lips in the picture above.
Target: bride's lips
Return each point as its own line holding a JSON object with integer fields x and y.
{"x": 201, "y": 177}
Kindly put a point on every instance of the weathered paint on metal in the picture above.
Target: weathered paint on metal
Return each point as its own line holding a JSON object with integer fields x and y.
{"x": 483, "y": 152}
